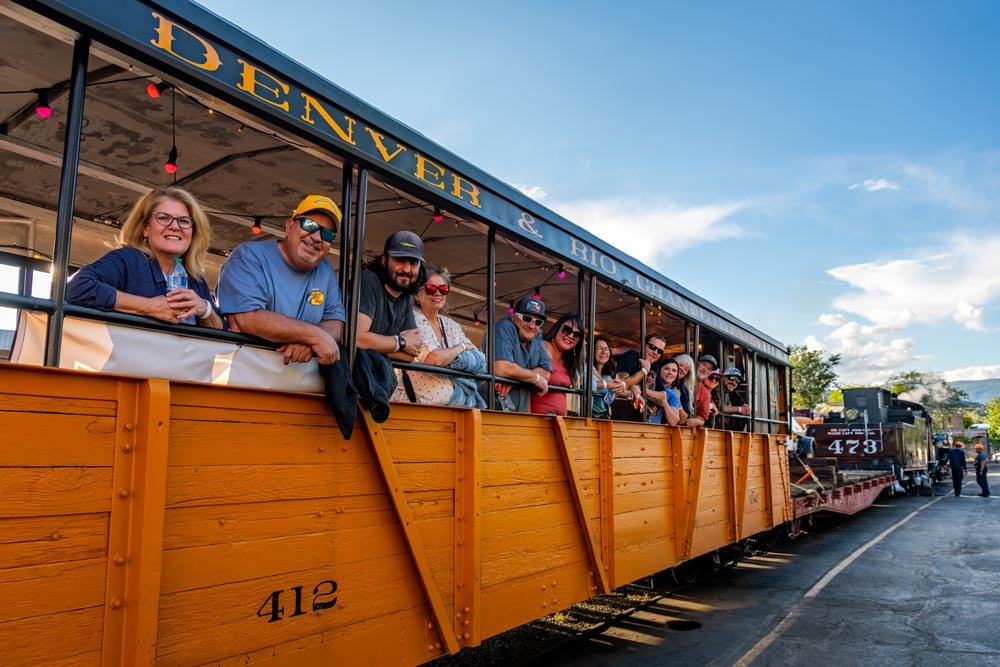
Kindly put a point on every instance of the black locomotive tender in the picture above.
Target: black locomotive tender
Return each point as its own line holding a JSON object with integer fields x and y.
{"x": 877, "y": 431}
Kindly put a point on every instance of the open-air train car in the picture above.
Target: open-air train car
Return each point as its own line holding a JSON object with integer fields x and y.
{"x": 209, "y": 512}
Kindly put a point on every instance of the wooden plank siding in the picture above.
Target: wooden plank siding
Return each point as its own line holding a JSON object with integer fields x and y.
{"x": 155, "y": 523}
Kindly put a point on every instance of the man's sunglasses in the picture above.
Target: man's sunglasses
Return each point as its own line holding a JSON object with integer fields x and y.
{"x": 528, "y": 319}
{"x": 310, "y": 226}
{"x": 570, "y": 332}
{"x": 653, "y": 348}
{"x": 434, "y": 289}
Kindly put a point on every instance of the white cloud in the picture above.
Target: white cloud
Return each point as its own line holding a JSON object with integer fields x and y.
{"x": 942, "y": 283}
{"x": 813, "y": 343}
{"x": 832, "y": 319}
{"x": 874, "y": 185}
{"x": 948, "y": 185}
{"x": 973, "y": 373}
{"x": 647, "y": 229}
{"x": 969, "y": 316}
{"x": 532, "y": 191}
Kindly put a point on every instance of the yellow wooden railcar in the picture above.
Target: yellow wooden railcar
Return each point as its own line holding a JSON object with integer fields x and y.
{"x": 152, "y": 522}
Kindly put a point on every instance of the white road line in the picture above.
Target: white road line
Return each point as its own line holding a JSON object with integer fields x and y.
{"x": 794, "y": 612}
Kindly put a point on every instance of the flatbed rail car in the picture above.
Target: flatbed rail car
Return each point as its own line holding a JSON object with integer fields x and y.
{"x": 155, "y": 522}
{"x": 879, "y": 432}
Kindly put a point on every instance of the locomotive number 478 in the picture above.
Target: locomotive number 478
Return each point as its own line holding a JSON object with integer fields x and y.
{"x": 852, "y": 446}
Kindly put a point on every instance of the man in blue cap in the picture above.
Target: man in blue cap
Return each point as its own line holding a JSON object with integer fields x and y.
{"x": 734, "y": 406}
{"x": 519, "y": 354}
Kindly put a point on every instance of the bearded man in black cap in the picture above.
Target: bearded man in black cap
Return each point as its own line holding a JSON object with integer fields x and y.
{"x": 385, "y": 306}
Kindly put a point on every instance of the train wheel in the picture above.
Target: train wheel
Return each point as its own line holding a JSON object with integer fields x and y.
{"x": 687, "y": 572}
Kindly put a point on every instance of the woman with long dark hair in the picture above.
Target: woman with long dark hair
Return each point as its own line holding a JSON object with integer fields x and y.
{"x": 605, "y": 386}
{"x": 564, "y": 343}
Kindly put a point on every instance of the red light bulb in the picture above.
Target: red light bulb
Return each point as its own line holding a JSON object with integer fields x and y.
{"x": 170, "y": 166}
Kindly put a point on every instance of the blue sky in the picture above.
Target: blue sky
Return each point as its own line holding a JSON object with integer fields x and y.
{"x": 828, "y": 172}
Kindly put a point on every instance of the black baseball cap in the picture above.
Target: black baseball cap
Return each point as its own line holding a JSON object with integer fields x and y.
{"x": 404, "y": 244}
{"x": 530, "y": 305}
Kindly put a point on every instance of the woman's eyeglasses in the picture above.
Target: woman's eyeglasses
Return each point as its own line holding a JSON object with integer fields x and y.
{"x": 436, "y": 289}
{"x": 528, "y": 319}
{"x": 165, "y": 219}
{"x": 310, "y": 226}
{"x": 570, "y": 332}
{"x": 653, "y": 348}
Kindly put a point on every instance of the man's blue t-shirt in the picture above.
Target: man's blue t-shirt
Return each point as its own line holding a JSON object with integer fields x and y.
{"x": 507, "y": 340}
{"x": 257, "y": 277}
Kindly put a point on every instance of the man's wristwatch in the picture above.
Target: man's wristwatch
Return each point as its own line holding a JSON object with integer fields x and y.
{"x": 400, "y": 343}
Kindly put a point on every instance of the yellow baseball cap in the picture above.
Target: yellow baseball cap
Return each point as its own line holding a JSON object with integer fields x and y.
{"x": 318, "y": 203}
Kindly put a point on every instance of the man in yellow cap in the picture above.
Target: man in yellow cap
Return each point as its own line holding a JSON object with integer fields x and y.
{"x": 284, "y": 290}
{"x": 981, "y": 470}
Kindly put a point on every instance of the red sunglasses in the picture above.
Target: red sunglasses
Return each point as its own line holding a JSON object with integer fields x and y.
{"x": 434, "y": 289}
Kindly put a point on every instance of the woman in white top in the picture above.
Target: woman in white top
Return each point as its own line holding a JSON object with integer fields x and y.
{"x": 443, "y": 343}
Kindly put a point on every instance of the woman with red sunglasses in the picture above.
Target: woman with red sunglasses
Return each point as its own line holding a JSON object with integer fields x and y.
{"x": 443, "y": 343}
{"x": 563, "y": 342}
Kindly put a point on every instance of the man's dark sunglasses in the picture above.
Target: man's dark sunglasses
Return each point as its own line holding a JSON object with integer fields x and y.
{"x": 528, "y": 319}
{"x": 434, "y": 289}
{"x": 567, "y": 330}
{"x": 310, "y": 226}
{"x": 653, "y": 348}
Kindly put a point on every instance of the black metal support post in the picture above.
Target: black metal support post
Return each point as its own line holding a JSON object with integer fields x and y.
{"x": 491, "y": 296}
{"x": 67, "y": 198}
{"x": 357, "y": 264}
{"x": 587, "y": 288}
{"x": 346, "y": 209}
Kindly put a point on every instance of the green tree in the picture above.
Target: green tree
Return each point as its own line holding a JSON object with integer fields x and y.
{"x": 812, "y": 376}
{"x": 993, "y": 418}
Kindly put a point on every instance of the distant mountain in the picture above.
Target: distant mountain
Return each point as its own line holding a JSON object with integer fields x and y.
{"x": 979, "y": 391}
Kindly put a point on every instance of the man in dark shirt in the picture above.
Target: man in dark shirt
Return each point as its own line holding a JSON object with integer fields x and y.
{"x": 635, "y": 366}
{"x": 956, "y": 458}
{"x": 385, "y": 307}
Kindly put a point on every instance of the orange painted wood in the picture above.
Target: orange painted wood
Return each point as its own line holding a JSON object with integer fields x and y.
{"x": 64, "y": 636}
{"x": 606, "y": 460}
{"x": 54, "y": 491}
{"x": 590, "y": 543}
{"x": 693, "y": 493}
{"x": 51, "y": 539}
{"x": 513, "y": 603}
{"x": 469, "y": 530}
{"x": 37, "y": 439}
{"x": 679, "y": 479}
{"x": 395, "y": 489}
{"x": 42, "y": 590}
{"x": 145, "y": 526}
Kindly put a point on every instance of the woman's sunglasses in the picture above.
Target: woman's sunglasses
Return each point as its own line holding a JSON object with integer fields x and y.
{"x": 435, "y": 289}
{"x": 310, "y": 226}
{"x": 570, "y": 332}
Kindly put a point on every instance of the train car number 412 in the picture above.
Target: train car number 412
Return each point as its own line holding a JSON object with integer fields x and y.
{"x": 323, "y": 598}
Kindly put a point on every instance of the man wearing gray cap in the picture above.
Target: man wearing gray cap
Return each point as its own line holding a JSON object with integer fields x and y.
{"x": 385, "y": 307}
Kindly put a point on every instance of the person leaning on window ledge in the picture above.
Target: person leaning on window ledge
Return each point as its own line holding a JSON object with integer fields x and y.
{"x": 165, "y": 224}
{"x": 519, "y": 354}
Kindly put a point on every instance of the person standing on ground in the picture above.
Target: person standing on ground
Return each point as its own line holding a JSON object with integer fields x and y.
{"x": 956, "y": 459}
{"x": 980, "y": 464}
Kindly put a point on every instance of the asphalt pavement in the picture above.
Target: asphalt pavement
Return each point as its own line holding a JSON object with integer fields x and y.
{"x": 910, "y": 581}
